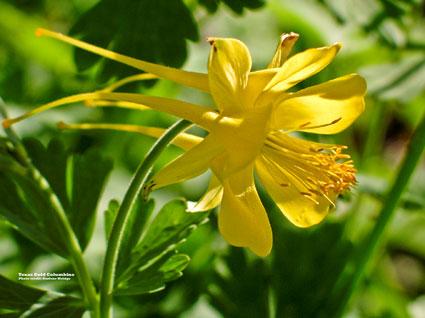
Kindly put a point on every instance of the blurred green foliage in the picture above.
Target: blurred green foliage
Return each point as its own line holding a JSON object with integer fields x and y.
{"x": 383, "y": 41}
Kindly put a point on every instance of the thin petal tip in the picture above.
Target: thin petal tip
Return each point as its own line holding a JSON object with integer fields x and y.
{"x": 6, "y": 123}
{"x": 361, "y": 82}
{"x": 211, "y": 40}
{"x": 337, "y": 45}
{"x": 62, "y": 125}
{"x": 40, "y": 32}
{"x": 289, "y": 36}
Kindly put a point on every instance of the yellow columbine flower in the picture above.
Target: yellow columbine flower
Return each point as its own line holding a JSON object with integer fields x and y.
{"x": 249, "y": 132}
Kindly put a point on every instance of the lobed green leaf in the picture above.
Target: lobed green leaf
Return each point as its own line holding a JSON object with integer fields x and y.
{"x": 78, "y": 181}
{"x": 150, "y": 30}
{"x": 17, "y": 298}
{"x": 65, "y": 307}
{"x": 154, "y": 277}
{"x": 146, "y": 265}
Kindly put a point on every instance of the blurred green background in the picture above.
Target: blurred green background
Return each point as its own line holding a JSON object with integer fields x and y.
{"x": 383, "y": 40}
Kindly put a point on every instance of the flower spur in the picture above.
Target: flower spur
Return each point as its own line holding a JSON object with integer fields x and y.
{"x": 249, "y": 132}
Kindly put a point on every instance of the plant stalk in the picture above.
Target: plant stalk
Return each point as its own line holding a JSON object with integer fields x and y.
{"x": 74, "y": 250}
{"x": 373, "y": 241}
{"x": 120, "y": 222}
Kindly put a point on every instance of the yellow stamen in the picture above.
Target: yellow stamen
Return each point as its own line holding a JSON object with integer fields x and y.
{"x": 191, "y": 79}
{"x": 315, "y": 167}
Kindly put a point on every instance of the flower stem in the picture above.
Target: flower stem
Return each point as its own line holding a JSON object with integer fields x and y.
{"x": 372, "y": 242}
{"x": 74, "y": 251}
{"x": 377, "y": 124}
{"x": 119, "y": 226}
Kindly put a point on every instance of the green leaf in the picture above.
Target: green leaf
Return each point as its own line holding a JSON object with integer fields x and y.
{"x": 210, "y": 5}
{"x": 376, "y": 187}
{"x": 136, "y": 225}
{"x": 64, "y": 307}
{"x": 8, "y": 157}
{"x": 240, "y": 286}
{"x": 407, "y": 233}
{"x": 90, "y": 171}
{"x": 150, "y": 30}
{"x": 139, "y": 216}
{"x": 52, "y": 163}
{"x": 237, "y": 6}
{"x": 16, "y": 298}
{"x": 154, "y": 253}
{"x": 169, "y": 228}
{"x": 109, "y": 216}
{"x": 30, "y": 211}
{"x": 303, "y": 269}
{"x": 315, "y": 257}
{"x": 380, "y": 299}
{"x": 153, "y": 278}
{"x": 403, "y": 80}
{"x": 78, "y": 181}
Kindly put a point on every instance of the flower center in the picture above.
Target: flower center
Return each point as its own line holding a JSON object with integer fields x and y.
{"x": 241, "y": 138}
{"x": 314, "y": 169}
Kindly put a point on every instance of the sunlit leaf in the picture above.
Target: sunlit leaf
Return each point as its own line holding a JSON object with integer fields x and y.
{"x": 403, "y": 80}
{"x": 153, "y": 278}
{"x": 155, "y": 251}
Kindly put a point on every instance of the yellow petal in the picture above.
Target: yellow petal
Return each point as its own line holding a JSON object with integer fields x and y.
{"x": 183, "y": 140}
{"x": 228, "y": 69}
{"x": 202, "y": 116}
{"x": 108, "y": 103}
{"x": 211, "y": 198}
{"x": 191, "y": 79}
{"x": 191, "y": 164}
{"x": 284, "y": 189}
{"x": 302, "y": 66}
{"x": 256, "y": 82}
{"x": 242, "y": 219}
{"x": 60, "y": 102}
{"x": 130, "y": 79}
{"x": 284, "y": 48}
{"x": 327, "y": 108}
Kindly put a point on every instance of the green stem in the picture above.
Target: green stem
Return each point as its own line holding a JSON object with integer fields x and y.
{"x": 372, "y": 147}
{"x": 74, "y": 250}
{"x": 372, "y": 242}
{"x": 375, "y": 134}
{"x": 119, "y": 226}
